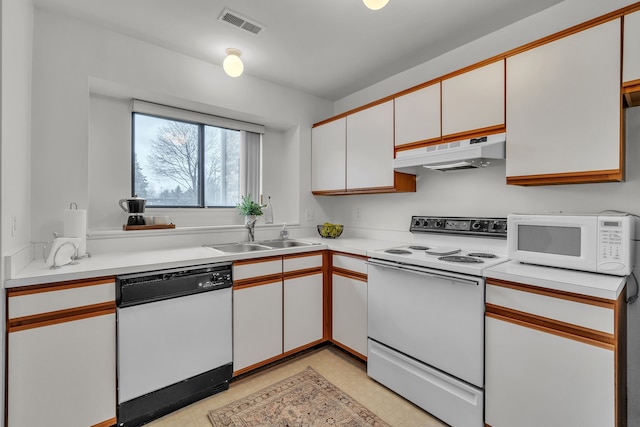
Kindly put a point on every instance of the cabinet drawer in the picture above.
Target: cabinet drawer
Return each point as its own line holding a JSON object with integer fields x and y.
{"x": 302, "y": 262}
{"x": 29, "y": 302}
{"x": 256, "y": 268}
{"x": 359, "y": 265}
{"x": 582, "y": 314}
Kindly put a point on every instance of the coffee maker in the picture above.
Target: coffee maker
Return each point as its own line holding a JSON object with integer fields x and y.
{"x": 134, "y": 206}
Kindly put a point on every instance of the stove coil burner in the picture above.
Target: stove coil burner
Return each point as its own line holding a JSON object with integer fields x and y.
{"x": 483, "y": 255}
{"x": 419, "y": 248}
{"x": 398, "y": 251}
{"x": 460, "y": 258}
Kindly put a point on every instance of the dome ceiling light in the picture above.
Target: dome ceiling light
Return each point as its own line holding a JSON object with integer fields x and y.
{"x": 232, "y": 64}
{"x": 375, "y": 4}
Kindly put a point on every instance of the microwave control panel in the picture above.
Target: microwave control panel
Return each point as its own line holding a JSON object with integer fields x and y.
{"x": 615, "y": 236}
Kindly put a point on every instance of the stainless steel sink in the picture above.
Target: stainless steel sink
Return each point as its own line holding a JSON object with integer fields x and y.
{"x": 239, "y": 247}
{"x": 285, "y": 243}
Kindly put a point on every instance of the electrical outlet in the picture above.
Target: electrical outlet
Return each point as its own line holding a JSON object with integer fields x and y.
{"x": 14, "y": 224}
{"x": 309, "y": 214}
{"x": 357, "y": 214}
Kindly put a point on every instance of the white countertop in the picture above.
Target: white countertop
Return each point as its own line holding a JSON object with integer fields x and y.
{"x": 579, "y": 282}
{"x": 111, "y": 264}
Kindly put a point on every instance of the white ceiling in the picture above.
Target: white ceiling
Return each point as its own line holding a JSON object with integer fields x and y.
{"x": 327, "y": 48}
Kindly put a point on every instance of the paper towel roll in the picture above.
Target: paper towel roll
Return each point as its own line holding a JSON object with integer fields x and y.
{"x": 75, "y": 225}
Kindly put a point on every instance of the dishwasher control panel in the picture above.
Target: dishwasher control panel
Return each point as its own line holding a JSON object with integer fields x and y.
{"x": 491, "y": 227}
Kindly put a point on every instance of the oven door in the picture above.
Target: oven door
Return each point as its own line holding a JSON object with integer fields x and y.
{"x": 433, "y": 316}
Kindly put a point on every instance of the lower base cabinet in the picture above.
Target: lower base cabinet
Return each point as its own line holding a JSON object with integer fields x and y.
{"x": 553, "y": 361}
{"x": 302, "y": 311}
{"x": 61, "y": 355}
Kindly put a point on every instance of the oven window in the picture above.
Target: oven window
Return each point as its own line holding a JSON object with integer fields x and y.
{"x": 550, "y": 240}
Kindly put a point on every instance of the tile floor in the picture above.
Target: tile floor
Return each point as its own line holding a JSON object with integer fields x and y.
{"x": 339, "y": 368}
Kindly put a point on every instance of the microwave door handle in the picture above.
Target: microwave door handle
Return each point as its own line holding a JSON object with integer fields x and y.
{"x": 421, "y": 272}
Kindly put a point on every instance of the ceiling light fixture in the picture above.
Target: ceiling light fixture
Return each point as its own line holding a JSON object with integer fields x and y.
{"x": 375, "y": 4}
{"x": 232, "y": 64}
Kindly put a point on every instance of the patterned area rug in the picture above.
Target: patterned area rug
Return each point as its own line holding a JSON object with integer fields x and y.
{"x": 306, "y": 399}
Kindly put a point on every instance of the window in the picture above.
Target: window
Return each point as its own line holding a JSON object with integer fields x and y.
{"x": 187, "y": 163}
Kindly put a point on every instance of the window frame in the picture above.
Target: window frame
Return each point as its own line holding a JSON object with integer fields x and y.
{"x": 201, "y": 199}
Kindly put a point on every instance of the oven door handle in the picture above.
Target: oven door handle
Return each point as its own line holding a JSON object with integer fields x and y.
{"x": 421, "y": 272}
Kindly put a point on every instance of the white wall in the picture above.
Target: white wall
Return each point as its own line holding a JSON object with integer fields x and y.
{"x": 16, "y": 41}
{"x": 81, "y": 144}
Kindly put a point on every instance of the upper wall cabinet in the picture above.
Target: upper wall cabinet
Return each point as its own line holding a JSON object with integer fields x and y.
{"x": 631, "y": 59}
{"x": 473, "y": 102}
{"x": 329, "y": 156}
{"x": 370, "y": 147}
{"x": 564, "y": 110}
{"x": 354, "y": 155}
{"x": 417, "y": 116}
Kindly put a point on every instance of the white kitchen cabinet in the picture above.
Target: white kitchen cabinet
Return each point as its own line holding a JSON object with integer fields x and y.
{"x": 61, "y": 351}
{"x": 328, "y": 156}
{"x": 556, "y": 357}
{"x": 302, "y": 311}
{"x": 257, "y": 324}
{"x": 349, "y": 303}
{"x": 370, "y": 147}
{"x": 303, "y": 300}
{"x": 417, "y": 116}
{"x": 474, "y": 101}
{"x": 564, "y": 110}
{"x": 631, "y": 59}
{"x": 257, "y": 312}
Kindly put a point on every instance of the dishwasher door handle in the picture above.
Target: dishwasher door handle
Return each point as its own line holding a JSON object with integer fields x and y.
{"x": 423, "y": 272}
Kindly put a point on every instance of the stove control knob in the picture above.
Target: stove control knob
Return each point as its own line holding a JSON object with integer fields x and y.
{"x": 416, "y": 223}
{"x": 438, "y": 223}
{"x": 476, "y": 225}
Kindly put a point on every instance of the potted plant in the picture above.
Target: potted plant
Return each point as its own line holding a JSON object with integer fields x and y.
{"x": 251, "y": 211}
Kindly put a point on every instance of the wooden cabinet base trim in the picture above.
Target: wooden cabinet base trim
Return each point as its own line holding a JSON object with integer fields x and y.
{"x": 256, "y": 260}
{"x": 349, "y": 350}
{"x": 613, "y": 175}
{"x": 403, "y": 183}
{"x": 69, "y": 315}
{"x": 107, "y": 423}
{"x": 551, "y": 326}
{"x": 277, "y": 358}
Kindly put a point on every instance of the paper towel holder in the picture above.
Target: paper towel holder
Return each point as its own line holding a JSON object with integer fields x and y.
{"x": 74, "y": 206}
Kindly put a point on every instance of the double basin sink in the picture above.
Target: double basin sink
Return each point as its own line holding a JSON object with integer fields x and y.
{"x": 264, "y": 245}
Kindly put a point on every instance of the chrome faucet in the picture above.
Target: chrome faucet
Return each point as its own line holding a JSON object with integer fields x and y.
{"x": 250, "y": 225}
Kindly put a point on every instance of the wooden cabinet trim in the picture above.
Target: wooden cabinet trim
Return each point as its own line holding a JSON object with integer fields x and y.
{"x": 256, "y": 260}
{"x": 614, "y": 175}
{"x": 554, "y": 327}
{"x": 403, "y": 183}
{"x": 57, "y": 286}
{"x": 61, "y": 316}
{"x": 476, "y": 133}
{"x": 631, "y": 93}
{"x": 348, "y": 254}
{"x": 107, "y": 423}
{"x": 302, "y": 273}
{"x": 569, "y": 296}
{"x": 349, "y": 350}
{"x": 259, "y": 281}
{"x": 350, "y": 274}
{"x": 418, "y": 144}
{"x": 303, "y": 254}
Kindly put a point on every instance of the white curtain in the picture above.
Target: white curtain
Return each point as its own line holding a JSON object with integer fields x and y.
{"x": 250, "y": 172}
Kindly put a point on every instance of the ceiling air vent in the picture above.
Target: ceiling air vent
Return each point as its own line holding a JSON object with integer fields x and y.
{"x": 240, "y": 21}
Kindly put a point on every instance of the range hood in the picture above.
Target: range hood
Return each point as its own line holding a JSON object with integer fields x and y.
{"x": 464, "y": 154}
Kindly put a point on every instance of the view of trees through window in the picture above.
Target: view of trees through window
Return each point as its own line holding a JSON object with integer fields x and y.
{"x": 182, "y": 164}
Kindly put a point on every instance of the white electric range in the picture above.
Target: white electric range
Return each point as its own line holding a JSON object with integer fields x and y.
{"x": 426, "y": 315}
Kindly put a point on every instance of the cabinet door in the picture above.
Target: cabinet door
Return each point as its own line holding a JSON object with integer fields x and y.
{"x": 534, "y": 378}
{"x": 349, "y": 313}
{"x": 563, "y": 109}
{"x": 631, "y": 54}
{"x": 257, "y": 324}
{"x": 370, "y": 147}
{"x": 63, "y": 374}
{"x": 473, "y": 100}
{"x": 328, "y": 156}
{"x": 302, "y": 311}
{"x": 417, "y": 116}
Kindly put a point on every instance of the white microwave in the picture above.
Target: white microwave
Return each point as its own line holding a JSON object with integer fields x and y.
{"x": 598, "y": 243}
